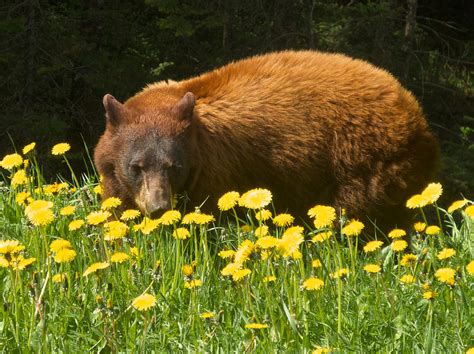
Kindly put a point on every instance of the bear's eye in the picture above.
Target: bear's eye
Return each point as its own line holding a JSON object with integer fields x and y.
{"x": 136, "y": 168}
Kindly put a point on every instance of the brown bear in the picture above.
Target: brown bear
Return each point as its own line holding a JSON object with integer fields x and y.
{"x": 314, "y": 128}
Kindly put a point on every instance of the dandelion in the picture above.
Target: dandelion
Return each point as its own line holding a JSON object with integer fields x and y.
{"x": 10, "y": 246}
{"x": 316, "y": 263}
{"x": 170, "y": 217}
{"x": 130, "y": 214}
{"x": 322, "y": 236}
{"x": 470, "y": 267}
{"x": 19, "y": 178}
{"x": 119, "y": 257}
{"x": 75, "y": 225}
{"x": 313, "y": 284}
{"x": 269, "y": 279}
{"x": 60, "y": 149}
{"x": 3, "y": 262}
{"x": 59, "y": 244}
{"x": 29, "y": 148}
{"x": 95, "y": 267}
{"x": 134, "y": 252}
{"x": 197, "y": 218}
{"x": 408, "y": 259}
{"x": 419, "y": 227}
{"x": 445, "y": 275}
{"x": 39, "y": 213}
{"x": 261, "y": 231}
{"x": 231, "y": 268}
{"x": 181, "y": 233}
{"x": 228, "y": 201}
{"x": 240, "y": 274}
{"x": 321, "y": 350}
{"x": 111, "y": 203}
{"x": 433, "y": 230}
{"x": 10, "y": 161}
{"x": 256, "y": 326}
{"x": 67, "y": 210}
{"x": 407, "y": 279}
{"x": 255, "y": 198}
{"x": 244, "y": 251}
{"x": 417, "y": 201}
{"x": 354, "y": 228}
{"x": 340, "y": 273}
{"x": 446, "y": 253}
{"x": 21, "y": 263}
{"x": 59, "y": 278}
{"x": 372, "y": 246}
{"x": 225, "y": 254}
{"x": 206, "y": 315}
{"x": 263, "y": 215}
{"x": 290, "y": 242}
{"x": 147, "y": 225}
{"x": 283, "y": 220}
{"x": 469, "y": 211}
{"x": 115, "y": 230}
{"x": 397, "y": 233}
{"x": 267, "y": 242}
{"x": 97, "y": 217}
{"x": 399, "y": 245}
{"x": 372, "y": 268}
{"x": 21, "y": 197}
{"x": 144, "y": 302}
{"x": 65, "y": 255}
{"x": 429, "y": 295}
{"x": 157, "y": 264}
{"x": 458, "y": 204}
{"x": 432, "y": 192}
{"x": 98, "y": 189}
{"x": 194, "y": 283}
{"x": 323, "y": 215}
{"x": 187, "y": 270}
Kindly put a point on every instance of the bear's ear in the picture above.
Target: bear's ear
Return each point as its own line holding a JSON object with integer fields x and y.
{"x": 114, "y": 110}
{"x": 184, "y": 108}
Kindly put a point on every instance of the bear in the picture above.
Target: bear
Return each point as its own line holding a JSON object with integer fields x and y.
{"x": 312, "y": 127}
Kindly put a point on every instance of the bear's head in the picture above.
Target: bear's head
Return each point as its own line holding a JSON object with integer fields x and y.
{"x": 145, "y": 154}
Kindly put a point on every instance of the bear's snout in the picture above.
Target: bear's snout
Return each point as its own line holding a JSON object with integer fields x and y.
{"x": 155, "y": 195}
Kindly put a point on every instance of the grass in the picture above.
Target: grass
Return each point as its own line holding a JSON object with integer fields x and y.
{"x": 355, "y": 312}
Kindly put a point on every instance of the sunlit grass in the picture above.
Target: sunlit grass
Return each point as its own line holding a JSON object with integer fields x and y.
{"x": 79, "y": 275}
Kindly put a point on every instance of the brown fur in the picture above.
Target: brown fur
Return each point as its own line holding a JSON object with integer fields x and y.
{"x": 312, "y": 127}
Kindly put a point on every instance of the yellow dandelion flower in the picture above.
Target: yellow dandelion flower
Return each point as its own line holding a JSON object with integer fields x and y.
{"x": 65, "y": 255}
{"x": 157, "y": 264}
{"x": 240, "y": 274}
{"x": 21, "y": 263}
{"x": 322, "y": 236}
{"x": 67, "y": 210}
{"x": 98, "y": 189}
{"x": 41, "y": 217}
{"x": 470, "y": 267}
{"x": 313, "y": 284}
{"x": 354, "y": 228}
{"x": 10, "y": 246}
{"x": 170, "y": 217}
{"x": 433, "y": 230}
{"x": 407, "y": 279}
{"x": 256, "y": 326}
{"x": 316, "y": 263}
{"x": 60, "y": 149}
{"x": 340, "y": 273}
{"x": 147, "y": 225}
{"x": 75, "y": 225}
{"x": 119, "y": 257}
{"x": 321, "y": 350}
{"x": 115, "y": 230}
{"x": 207, "y": 315}
{"x": 417, "y": 201}
{"x": 3, "y": 262}
{"x": 97, "y": 217}
{"x": 267, "y": 242}
{"x": 130, "y": 214}
{"x": 231, "y": 268}
{"x": 202, "y": 219}
{"x": 181, "y": 233}
{"x": 21, "y": 197}
{"x": 59, "y": 278}
{"x": 445, "y": 275}
{"x": 399, "y": 245}
{"x": 323, "y": 215}
{"x": 372, "y": 268}
{"x": 95, "y": 267}
{"x": 26, "y": 163}
{"x": 243, "y": 251}
{"x": 419, "y": 226}
{"x": 269, "y": 279}
{"x": 469, "y": 211}
{"x": 446, "y": 253}
{"x": 187, "y": 269}
{"x": 429, "y": 295}
{"x": 261, "y": 231}
{"x": 19, "y": 178}
{"x": 255, "y": 198}
{"x": 144, "y": 302}
{"x": 111, "y": 203}
{"x": 283, "y": 220}
{"x": 470, "y": 351}
{"x": 194, "y": 283}
{"x": 28, "y": 148}
{"x": 59, "y": 244}
{"x": 458, "y": 204}
{"x": 289, "y": 244}
{"x": 263, "y": 215}
{"x": 10, "y": 161}
{"x": 372, "y": 246}
{"x": 432, "y": 192}
{"x": 225, "y": 254}
{"x": 134, "y": 252}
{"x": 397, "y": 233}
{"x": 228, "y": 201}
{"x": 408, "y": 259}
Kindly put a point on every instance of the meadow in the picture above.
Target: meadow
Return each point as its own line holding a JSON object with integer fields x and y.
{"x": 78, "y": 275}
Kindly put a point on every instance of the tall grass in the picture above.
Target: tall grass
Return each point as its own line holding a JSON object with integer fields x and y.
{"x": 353, "y": 311}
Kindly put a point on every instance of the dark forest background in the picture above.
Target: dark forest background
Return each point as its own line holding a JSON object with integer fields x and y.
{"x": 58, "y": 58}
